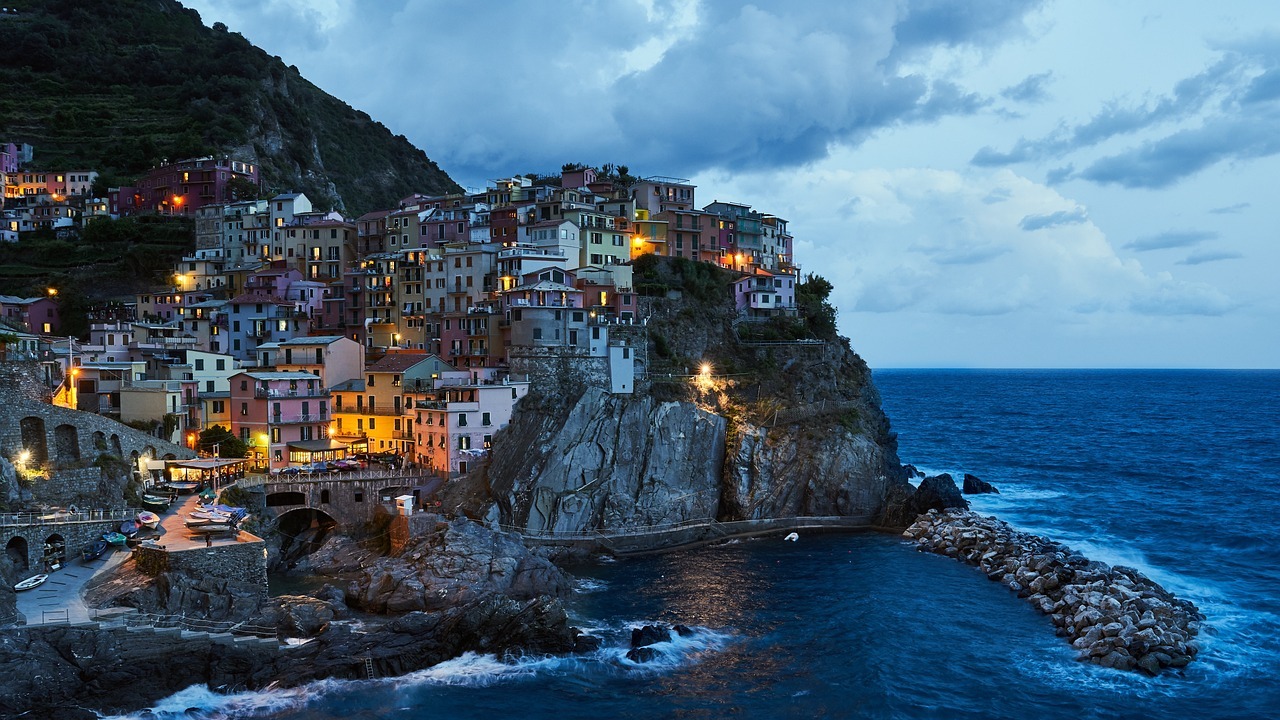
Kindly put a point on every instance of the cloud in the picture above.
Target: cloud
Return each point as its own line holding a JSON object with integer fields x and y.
{"x": 1201, "y": 258}
{"x": 680, "y": 85}
{"x": 1231, "y": 209}
{"x": 1116, "y": 118}
{"x": 933, "y": 242}
{"x": 1170, "y": 239}
{"x": 1054, "y": 219}
{"x": 1057, "y": 176}
{"x": 1030, "y": 90}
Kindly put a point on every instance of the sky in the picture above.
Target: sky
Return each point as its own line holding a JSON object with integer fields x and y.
{"x": 1011, "y": 183}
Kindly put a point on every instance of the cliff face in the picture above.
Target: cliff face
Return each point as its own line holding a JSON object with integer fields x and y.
{"x": 771, "y": 430}
{"x": 606, "y": 461}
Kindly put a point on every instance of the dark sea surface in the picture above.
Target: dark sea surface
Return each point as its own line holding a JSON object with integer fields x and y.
{"x": 1174, "y": 472}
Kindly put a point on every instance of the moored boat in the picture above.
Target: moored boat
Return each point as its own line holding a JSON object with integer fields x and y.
{"x": 155, "y": 503}
{"x": 148, "y": 519}
{"x": 34, "y": 581}
{"x": 94, "y": 550}
{"x": 183, "y": 487}
{"x": 129, "y": 528}
{"x": 208, "y": 527}
{"x": 209, "y": 515}
{"x": 114, "y": 538}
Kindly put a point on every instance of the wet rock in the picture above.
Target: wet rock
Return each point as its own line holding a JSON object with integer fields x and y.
{"x": 643, "y": 654}
{"x": 973, "y": 485}
{"x": 583, "y": 643}
{"x": 648, "y": 635}
{"x": 683, "y": 630}
{"x": 1116, "y": 617}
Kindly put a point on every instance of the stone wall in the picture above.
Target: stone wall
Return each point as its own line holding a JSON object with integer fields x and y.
{"x": 76, "y": 536}
{"x": 243, "y": 561}
{"x": 56, "y": 436}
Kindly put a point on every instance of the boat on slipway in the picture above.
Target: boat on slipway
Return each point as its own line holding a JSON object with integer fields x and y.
{"x": 94, "y": 550}
{"x": 148, "y": 519}
{"x": 155, "y": 503}
{"x": 32, "y": 582}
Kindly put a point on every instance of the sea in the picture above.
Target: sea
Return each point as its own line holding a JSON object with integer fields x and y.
{"x": 1176, "y": 473}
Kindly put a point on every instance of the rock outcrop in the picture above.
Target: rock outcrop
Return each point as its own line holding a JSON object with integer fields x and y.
{"x": 936, "y": 492}
{"x": 458, "y": 563}
{"x": 974, "y": 485}
{"x": 1115, "y": 616}
{"x": 608, "y": 461}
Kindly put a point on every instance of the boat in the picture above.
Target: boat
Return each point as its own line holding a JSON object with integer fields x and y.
{"x": 34, "y": 581}
{"x": 208, "y": 527}
{"x": 183, "y": 486}
{"x": 148, "y": 519}
{"x": 155, "y": 503}
{"x": 129, "y": 528}
{"x": 210, "y": 515}
{"x": 94, "y": 550}
{"x": 114, "y": 538}
{"x": 208, "y": 495}
{"x": 193, "y": 522}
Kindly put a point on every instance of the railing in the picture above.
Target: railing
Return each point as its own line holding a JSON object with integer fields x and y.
{"x": 300, "y": 418}
{"x": 335, "y": 477}
{"x": 23, "y": 519}
{"x": 274, "y": 393}
{"x": 731, "y": 527}
{"x": 141, "y": 619}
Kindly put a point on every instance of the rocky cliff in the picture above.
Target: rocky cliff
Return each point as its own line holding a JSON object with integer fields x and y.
{"x": 724, "y": 425}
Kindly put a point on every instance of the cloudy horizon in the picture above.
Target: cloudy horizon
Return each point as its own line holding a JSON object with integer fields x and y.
{"x": 1004, "y": 184}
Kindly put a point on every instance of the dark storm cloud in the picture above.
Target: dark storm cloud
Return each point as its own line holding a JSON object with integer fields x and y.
{"x": 1031, "y": 90}
{"x": 1170, "y": 239}
{"x": 1208, "y": 257}
{"x": 1062, "y": 217}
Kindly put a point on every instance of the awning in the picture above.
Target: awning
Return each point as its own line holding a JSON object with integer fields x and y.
{"x": 317, "y": 445}
{"x": 207, "y": 463}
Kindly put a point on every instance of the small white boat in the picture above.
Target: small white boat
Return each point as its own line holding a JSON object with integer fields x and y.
{"x": 792, "y": 537}
{"x": 148, "y": 519}
{"x": 209, "y": 515}
{"x": 34, "y": 581}
{"x": 197, "y": 523}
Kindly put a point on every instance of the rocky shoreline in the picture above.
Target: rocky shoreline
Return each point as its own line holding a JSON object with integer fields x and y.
{"x": 1115, "y": 616}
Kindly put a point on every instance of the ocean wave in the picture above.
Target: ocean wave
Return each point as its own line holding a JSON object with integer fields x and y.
{"x": 198, "y": 701}
{"x": 587, "y": 586}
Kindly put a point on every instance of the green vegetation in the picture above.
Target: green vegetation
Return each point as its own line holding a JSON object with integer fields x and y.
{"x": 227, "y": 445}
{"x": 654, "y": 276}
{"x": 119, "y": 86}
{"x": 111, "y": 259}
{"x": 812, "y": 295}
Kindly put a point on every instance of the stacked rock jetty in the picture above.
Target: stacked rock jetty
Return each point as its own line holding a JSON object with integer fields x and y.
{"x": 1115, "y": 616}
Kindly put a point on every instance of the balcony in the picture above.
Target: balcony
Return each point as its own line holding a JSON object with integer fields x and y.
{"x": 283, "y": 419}
{"x": 289, "y": 393}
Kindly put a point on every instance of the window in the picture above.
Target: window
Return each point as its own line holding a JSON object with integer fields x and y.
{"x": 358, "y": 496}
{"x": 219, "y": 407}
{"x": 464, "y": 442}
{"x": 275, "y": 434}
{"x": 244, "y": 408}
{"x": 199, "y": 364}
{"x": 221, "y": 363}
{"x": 462, "y": 419}
{"x": 485, "y": 419}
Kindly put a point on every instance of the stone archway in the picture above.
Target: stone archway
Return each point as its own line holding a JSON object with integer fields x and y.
{"x": 303, "y": 531}
{"x": 99, "y": 441}
{"x": 34, "y": 439}
{"x": 18, "y": 553}
{"x": 66, "y": 443}
{"x": 55, "y": 550}
{"x": 150, "y": 452}
{"x": 116, "y": 448}
{"x": 286, "y": 499}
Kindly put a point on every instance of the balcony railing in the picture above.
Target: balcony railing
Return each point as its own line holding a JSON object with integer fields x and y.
{"x": 283, "y": 419}
{"x": 282, "y": 393}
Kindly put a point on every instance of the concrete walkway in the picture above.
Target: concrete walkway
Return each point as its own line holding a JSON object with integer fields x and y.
{"x": 61, "y": 597}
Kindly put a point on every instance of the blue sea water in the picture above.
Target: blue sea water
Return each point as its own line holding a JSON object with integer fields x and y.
{"x": 1174, "y": 472}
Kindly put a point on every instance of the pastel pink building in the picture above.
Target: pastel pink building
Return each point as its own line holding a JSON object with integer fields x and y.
{"x": 764, "y": 293}
{"x": 283, "y": 417}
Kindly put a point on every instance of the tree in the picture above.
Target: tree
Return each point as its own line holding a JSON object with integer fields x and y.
{"x": 227, "y": 445}
{"x": 812, "y": 297}
{"x": 242, "y": 189}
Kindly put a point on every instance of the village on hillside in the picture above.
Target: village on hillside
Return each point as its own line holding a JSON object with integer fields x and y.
{"x": 406, "y": 334}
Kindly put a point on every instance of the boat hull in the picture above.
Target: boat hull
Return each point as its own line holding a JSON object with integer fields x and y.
{"x": 31, "y": 583}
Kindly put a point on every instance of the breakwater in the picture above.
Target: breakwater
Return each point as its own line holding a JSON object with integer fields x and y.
{"x": 1115, "y": 616}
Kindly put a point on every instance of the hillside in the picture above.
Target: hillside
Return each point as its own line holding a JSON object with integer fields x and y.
{"x": 119, "y": 86}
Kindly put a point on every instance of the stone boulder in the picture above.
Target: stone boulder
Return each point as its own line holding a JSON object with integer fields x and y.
{"x": 973, "y": 485}
{"x": 456, "y": 563}
{"x": 649, "y": 635}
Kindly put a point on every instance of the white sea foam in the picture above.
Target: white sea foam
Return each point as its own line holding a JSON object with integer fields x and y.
{"x": 201, "y": 702}
{"x": 590, "y": 585}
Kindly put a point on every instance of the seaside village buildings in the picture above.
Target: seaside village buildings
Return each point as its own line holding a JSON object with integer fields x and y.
{"x": 411, "y": 331}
